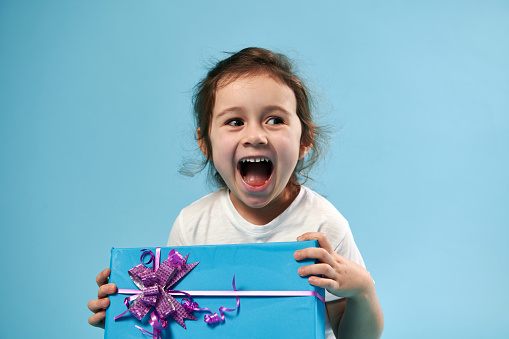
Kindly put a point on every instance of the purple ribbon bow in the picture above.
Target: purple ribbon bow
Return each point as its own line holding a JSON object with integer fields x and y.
{"x": 155, "y": 291}
{"x": 154, "y": 285}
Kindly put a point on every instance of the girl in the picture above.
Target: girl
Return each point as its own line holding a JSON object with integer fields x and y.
{"x": 254, "y": 128}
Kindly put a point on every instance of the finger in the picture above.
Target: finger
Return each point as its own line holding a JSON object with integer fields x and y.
{"x": 315, "y": 253}
{"x": 97, "y": 305}
{"x": 318, "y": 269}
{"x": 322, "y": 240}
{"x": 106, "y": 290}
{"x": 323, "y": 282}
{"x": 103, "y": 277}
{"x": 97, "y": 319}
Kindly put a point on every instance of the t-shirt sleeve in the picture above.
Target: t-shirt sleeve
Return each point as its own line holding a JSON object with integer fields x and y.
{"x": 348, "y": 249}
{"x": 176, "y": 238}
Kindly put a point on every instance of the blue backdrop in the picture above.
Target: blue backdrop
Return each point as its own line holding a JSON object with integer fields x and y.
{"x": 95, "y": 119}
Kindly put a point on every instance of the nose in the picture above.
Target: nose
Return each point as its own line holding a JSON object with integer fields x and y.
{"x": 254, "y": 135}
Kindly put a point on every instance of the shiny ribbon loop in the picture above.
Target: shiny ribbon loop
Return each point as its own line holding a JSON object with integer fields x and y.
{"x": 175, "y": 259}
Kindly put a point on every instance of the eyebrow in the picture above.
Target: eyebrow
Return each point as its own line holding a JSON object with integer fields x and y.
{"x": 228, "y": 110}
{"x": 272, "y": 108}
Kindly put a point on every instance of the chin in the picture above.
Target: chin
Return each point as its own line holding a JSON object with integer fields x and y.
{"x": 254, "y": 202}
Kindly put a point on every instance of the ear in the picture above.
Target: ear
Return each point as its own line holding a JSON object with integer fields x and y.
{"x": 304, "y": 150}
{"x": 306, "y": 142}
{"x": 201, "y": 142}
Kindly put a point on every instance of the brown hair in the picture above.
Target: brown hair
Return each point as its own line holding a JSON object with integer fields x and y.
{"x": 254, "y": 61}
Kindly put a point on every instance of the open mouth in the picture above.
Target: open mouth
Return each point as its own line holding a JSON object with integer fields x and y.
{"x": 255, "y": 171}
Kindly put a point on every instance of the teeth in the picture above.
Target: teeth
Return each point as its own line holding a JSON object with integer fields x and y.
{"x": 255, "y": 159}
{"x": 244, "y": 177}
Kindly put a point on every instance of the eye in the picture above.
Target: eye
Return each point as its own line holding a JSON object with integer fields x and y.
{"x": 235, "y": 122}
{"x": 275, "y": 121}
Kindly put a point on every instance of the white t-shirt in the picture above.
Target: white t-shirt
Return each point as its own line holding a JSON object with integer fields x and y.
{"x": 213, "y": 220}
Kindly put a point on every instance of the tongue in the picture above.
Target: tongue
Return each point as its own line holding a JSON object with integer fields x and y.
{"x": 255, "y": 173}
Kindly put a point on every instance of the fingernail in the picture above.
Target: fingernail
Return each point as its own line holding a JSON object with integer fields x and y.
{"x": 300, "y": 271}
{"x": 299, "y": 237}
{"x": 104, "y": 303}
{"x": 297, "y": 255}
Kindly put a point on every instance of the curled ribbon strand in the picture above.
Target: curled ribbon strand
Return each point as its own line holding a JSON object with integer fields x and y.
{"x": 213, "y": 318}
{"x": 145, "y": 253}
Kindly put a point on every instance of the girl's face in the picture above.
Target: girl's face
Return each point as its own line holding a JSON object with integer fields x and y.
{"x": 255, "y": 135}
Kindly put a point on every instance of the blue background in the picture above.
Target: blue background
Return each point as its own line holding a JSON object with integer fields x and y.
{"x": 95, "y": 120}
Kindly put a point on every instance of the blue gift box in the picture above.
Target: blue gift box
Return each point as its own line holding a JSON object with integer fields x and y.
{"x": 257, "y": 267}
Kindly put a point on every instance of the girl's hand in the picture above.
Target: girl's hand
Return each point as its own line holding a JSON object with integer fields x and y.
{"x": 340, "y": 276}
{"x": 99, "y": 305}
{"x": 360, "y": 314}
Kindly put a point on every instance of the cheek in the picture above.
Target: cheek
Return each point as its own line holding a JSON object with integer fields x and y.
{"x": 291, "y": 147}
{"x": 221, "y": 145}
{"x": 224, "y": 167}
{"x": 222, "y": 155}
